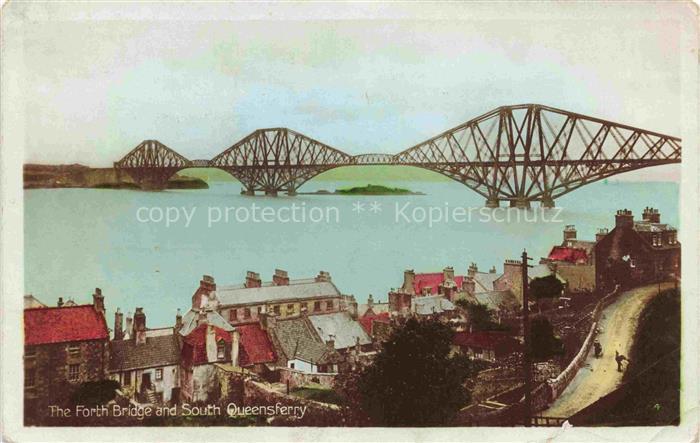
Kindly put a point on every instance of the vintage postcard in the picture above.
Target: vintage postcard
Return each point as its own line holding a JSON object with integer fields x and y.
{"x": 349, "y": 221}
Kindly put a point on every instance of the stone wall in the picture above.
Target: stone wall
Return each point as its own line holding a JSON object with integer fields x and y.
{"x": 299, "y": 379}
{"x": 316, "y": 413}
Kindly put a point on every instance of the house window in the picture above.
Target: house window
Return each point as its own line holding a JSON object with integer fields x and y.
{"x": 317, "y": 306}
{"x": 29, "y": 377}
{"x": 246, "y": 313}
{"x": 291, "y": 364}
{"x": 290, "y": 309}
{"x": 220, "y": 350}
{"x": 233, "y": 315}
{"x": 159, "y": 374}
{"x": 127, "y": 378}
{"x": 276, "y": 309}
{"x": 73, "y": 372}
{"x": 74, "y": 350}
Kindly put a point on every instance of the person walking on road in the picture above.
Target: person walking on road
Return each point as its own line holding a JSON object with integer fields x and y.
{"x": 619, "y": 358}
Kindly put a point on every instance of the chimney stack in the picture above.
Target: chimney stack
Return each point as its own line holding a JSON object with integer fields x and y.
{"x": 252, "y": 280}
{"x": 469, "y": 285}
{"x": 140, "y": 326}
{"x": 280, "y": 278}
{"x": 352, "y": 307}
{"x": 569, "y": 234}
{"x": 206, "y": 286}
{"x": 651, "y": 215}
{"x": 178, "y": 321}
{"x": 492, "y": 270}
{"x": 409, "y": 277}
{"x": 118, "y": 325}
{"x": 60, "y": 302}
{"x": 624, "y": 219}
{"x": 448, "y": 273}
{"x": 129, "y": 331}
{"x": 473, "y": 269}
{"x": 331, "y": 342}
{"x": 323, "y": 276}
{"x": 370, "y": 302}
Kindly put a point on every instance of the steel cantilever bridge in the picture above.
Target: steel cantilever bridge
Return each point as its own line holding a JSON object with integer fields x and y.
{"x": 519, "y": 154}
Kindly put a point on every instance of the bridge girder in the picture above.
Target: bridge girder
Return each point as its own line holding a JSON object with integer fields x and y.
{"x": 532, "y": 152}
{"x": 517, "y": 153}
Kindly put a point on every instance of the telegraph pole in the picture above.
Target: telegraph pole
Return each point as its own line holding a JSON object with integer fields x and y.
{"x": 527, "y": 354}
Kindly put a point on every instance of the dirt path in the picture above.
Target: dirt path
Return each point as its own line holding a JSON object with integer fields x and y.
{"x": 599, "y": 376}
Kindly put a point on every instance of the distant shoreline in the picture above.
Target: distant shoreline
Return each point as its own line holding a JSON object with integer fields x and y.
{"x": 80, "y": 176}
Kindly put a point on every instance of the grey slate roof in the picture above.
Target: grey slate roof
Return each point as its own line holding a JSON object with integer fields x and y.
{"x": 484, "y": 281}
{"x": 498, "y": 299}
{"x": 161, "y": 350}
{"x": 296, "y": 289}
{"x": 345, "y": 330}
{"x": 189, "y": 322}
{"x": 378, "y": 308}
{"x": 298, "y": 341}
{"x": 432, "y": 304}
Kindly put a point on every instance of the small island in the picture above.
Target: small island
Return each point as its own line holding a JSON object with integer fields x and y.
{"x": 366, "y": 190}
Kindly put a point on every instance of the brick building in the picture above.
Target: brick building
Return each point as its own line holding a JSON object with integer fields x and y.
{"x": 63, "y": 347}
{"x": 637, "y": 251}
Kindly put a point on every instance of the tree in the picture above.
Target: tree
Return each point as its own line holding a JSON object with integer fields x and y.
{"x": 546, "y": 287}
{"x": 413, "y": 380}
{"x": 480, "y": 316}
{"x": 543, "y": 341}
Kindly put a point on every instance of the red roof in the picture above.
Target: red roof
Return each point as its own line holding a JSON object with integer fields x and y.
{"x": 571, "y": 255}
{"x": 483, "y": 339}
{"x": 255, "y": 345}
{"x": 432, "y": 280}
{"x": 194, "y": 347}
{"x": 367, "y": 320}
{"x": 64, "y": 324}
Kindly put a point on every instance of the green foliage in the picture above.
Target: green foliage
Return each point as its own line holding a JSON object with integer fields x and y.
{"x": 546, "y": 287}
{"x": 322, "y": 395}
{"x": 94, "y": 393}
{"x": 480, "y": 316}
{"x": 543, "y": 342}
{"x": 413, "y": 381}
{"x": 372, "y": 190}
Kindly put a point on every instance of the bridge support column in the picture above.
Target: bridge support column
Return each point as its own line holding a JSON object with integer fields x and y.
{"x": 291, "y": 192}
{"x": 547, "y": 202}
{"x": 271, "y": 192}
{"x": 247, "y": 192}
{"x": 520, "y": 203}
{"x": 493, "y": 202}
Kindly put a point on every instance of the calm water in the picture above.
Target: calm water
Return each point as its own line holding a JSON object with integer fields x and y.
{"x": 79, "y": 239}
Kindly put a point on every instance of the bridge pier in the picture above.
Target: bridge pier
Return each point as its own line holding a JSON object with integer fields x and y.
{"x": 271, "y": 192}
{"x": 247, "y": 192}
{"x": 291, "y": 192}
{"x": 493, "y": 202}
{"x": 520, "y": 203}
{"x": 547, "y": 202}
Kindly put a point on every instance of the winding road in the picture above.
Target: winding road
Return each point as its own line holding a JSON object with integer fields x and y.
{"x": 599, "y": 376}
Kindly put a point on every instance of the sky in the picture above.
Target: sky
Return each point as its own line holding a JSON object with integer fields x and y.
{"x": 94, "y": 90}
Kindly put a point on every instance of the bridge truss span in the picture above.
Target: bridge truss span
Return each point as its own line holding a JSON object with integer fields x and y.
{"x": 519, "y": 154}
{"x": 532, "y": 152}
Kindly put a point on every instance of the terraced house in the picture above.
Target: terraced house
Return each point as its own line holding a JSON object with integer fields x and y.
{"x": 244, "y": 303}
{"x": 145, "y": 362}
